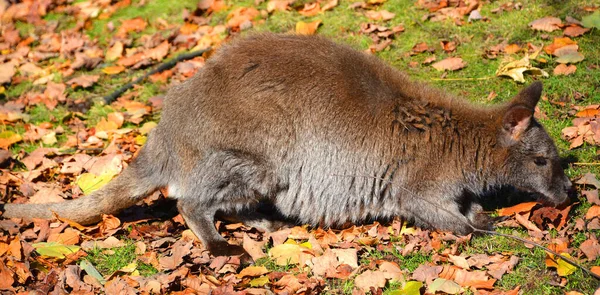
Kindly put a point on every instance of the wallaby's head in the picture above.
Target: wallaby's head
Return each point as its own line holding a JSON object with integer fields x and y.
{"x": 531, "y": 159}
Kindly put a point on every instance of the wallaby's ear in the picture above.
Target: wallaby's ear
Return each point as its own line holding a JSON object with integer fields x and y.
{"x": 516, "y": 120}
{"x": 529, "y": 96}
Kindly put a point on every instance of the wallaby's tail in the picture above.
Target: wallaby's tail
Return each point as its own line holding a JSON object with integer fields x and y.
{"x": 142, "y": 177}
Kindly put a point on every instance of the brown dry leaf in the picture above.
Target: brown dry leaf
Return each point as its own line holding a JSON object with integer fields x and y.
{"x": 114, "y": 52}
{"x": 253, "y": 271}
{"x": 391, "y": 271}
{"x": 590, "y": 248}
{"x": 380, "y": 15}
{"x": 159, "y": 52}
{"x": 330, "y": 5}
{"x": 575, "y": 31}
{"x": 450, "y": 64}
{"x": 426, "y": 273}
{"x": 526, "y": 223}
{"x": 592, "y": 196}
{"x": 563, "y": 69}
{"x": 113, "y": 70}
{"x": 241, "y": 15}
{"x": 68, "y": 237}
{"x": 253, "y": 248}
{"x": 593, "y": 212}
{"x": 83, "y": 81}
{"x": 303, "y": 28}
{"x": 512, "y": 48}
{"x": 109, "y": 222}
{"x": 459, "y": 261}
{"x": 588, "y": 179}
{"x": 7, "y": 71}
{"x": 547, "y": 24}
{"x": 278, "y": 5}
{"x": 324, "y": 264}
{"x": 6, "y": 277}
{"x": 131, "y": 25}
{"x": 369, "y": 279}
{"x": 310, "y": 9}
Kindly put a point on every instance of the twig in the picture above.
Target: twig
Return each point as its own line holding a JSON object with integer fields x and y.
{"x": 490, "y": 232}
{"x": 165, "y": 66}
{"x": 586, "y": 164}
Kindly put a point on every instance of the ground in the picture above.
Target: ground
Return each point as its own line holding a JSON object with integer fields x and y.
{"x": 61, "y": 141}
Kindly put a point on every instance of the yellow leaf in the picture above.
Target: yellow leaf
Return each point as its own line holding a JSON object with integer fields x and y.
{"x": 113, "y": 70}
{"x": 285, "y": 254}
{"x": 129, "y": 268}
{"x": 115, "y": 51}
{"x": 147, "y": 127}
{"x": 515, "y": 69}
{"x": 89, "y": 182}
{"x": 563, "y": 268}
{"x": 259, "y": 282}
{"x": 303, "y": 28}
{"x": 8, "y": 138}
{"x": 140, "y": 139}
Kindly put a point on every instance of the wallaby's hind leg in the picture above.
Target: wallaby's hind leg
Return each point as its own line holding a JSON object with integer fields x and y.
{"x": 201, "y": 222}
{"x": 226, "y": 181}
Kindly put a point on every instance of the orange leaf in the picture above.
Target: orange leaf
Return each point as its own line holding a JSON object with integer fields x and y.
{"x": 593, "y": 212}
{"x": 596, "y": 270}
{"x": 307, "y": 28}
{"x": 588, "y": 113}
{"x": 523, "y": 207}
{"x": 188, "y": 29}
{"x": 130, "y": 25}
{"x": 558, "y": 43}
{"x": 563, "y": 69}
{"x": 512, "y": 48}
{"x": 113, "y": 70}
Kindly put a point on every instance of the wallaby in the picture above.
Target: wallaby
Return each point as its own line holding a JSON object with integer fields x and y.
{"x": 327, "y": 135}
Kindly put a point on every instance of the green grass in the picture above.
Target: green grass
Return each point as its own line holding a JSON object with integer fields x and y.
{"x": 108, "y": 261}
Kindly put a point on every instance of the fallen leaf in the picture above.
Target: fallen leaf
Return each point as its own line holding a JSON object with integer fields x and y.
{"x": 369, "y": 279}
{"x": 590, "y": 248}
{"x": 515, "y": 69}
{"x": 563, "y": 268}
{"x": 519, "y": 208}
{"x": 6, "y": 277}
{"x": 113, "y": 70}
{"x": 588, "y": 179}
{"x": 83, "y": 81}
{"x": 592, "y": 20}
{"x": 55, "y": 250}
{"x": 253, "y": 271}
{"x": 547, "y": 24}
{"x": 131, "y": 25}
{"x": 563, "y": 69}
{"x": 450, "y": 64}
{"x": 285, "y": 254}
{"x": 7, "y": 71}
{"x": 310, "y": 9}
{"x": 443, "y": 285}
{"x": 575, "y": 31}
{"x": 303, "y": 28}
{"x": 459, "y": 261}
{"x": 593, "y": 212}
{"x": 8, "y": 138}
{"x": 114, "y": 52}
{"x": 380, "y": 15}
{"x": 592, "y": 196}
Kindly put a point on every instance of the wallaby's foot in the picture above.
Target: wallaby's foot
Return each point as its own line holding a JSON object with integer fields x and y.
{"x": 222, "y": 248}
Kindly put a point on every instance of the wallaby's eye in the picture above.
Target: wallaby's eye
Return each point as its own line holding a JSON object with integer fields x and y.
{"x": 540, "y": 161}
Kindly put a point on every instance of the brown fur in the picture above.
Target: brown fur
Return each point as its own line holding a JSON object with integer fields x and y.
{"x": 326, "y": 134}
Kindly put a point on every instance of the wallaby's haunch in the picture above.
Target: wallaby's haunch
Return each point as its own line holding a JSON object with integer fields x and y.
{"x": 327, "y": 135}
